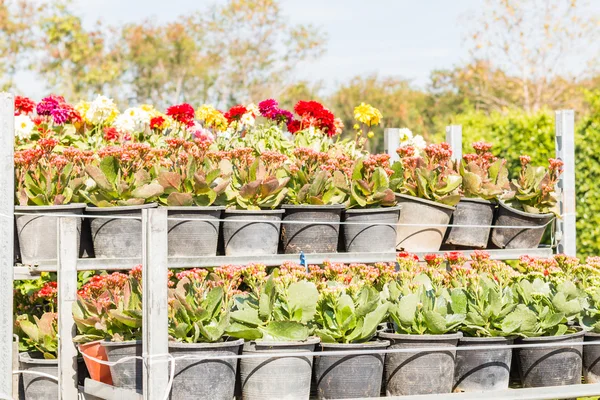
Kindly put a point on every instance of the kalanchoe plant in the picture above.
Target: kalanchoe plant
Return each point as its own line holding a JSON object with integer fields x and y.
{"x": 432, "y": 176}
{"x": 484, "y": 176}
{"x": 370, "y": 185}
{"x": 39, "y": 335}
{"x": 256, "y": 182}
{"x": 535, "y": 189}
{"x": 44, "y": 177}
{"x": 191, "y": 175}
{"x": 122, "y": 178}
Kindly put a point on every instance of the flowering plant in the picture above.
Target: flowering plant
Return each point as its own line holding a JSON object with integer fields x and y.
{"x": 366, "y": 116}
{"x": 39, "y": 335}
{"x": 484, "y": 176}
{"x": 370, "y": 185}
{"x": 431, "y": 176}
{"x": 534, "y": 191}
{"x": 314, "y": 115}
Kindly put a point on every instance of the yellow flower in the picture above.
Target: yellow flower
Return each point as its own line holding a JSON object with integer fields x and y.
{"x": 211, "y": 117}
{"x": 370, "y": 134}
{"x": 356, "y": 127}
{"x": 367, "y": 114}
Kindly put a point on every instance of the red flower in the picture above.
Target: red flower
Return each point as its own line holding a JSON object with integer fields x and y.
{"x": 157, "y": 122}
{"x": 314, "y": 114}
{"x": 430, "y": 257}
{"x": 23, "y": 105}
{"x": 454, "y": 255}
{"x": 406, "y": 254}
{"x": 235, "y": 113}
{"x": 182, "y": 113}
{"x": 294, "y": 126}
{"x": 110, "y": 134}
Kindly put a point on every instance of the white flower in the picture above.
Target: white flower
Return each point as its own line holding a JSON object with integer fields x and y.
{"x": 247, "y": 119}
{"x": 134, "y": 119}
{"x": 253, "y": 109}
{"x": 100, "y": 110}
{"x": 405, "y": 134}
{"x": 23, "y": 126}
{"x": 418, "y": 142}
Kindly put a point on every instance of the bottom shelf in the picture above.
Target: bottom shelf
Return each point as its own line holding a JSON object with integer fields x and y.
{"x": 93, "y": 390}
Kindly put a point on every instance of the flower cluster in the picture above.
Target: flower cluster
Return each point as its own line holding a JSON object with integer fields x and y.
{"x": 211, "y": 117}
{"x": 182, "y": 114}
{"x": 314, "y": 114}
{"x": 270, "y": 109}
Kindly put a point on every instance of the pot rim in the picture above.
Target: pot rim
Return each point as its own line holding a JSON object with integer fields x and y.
{"x": 206, "y": 345}
{"x": 375, "y": 210}
{"x": 580, "y": 332}
{"x": 287, "y": 343}
{"x": 417, "y": 338}
{"x": 193, "y": 209}
{"x": 90, "y": 344}
{"x": 594, "y": 335}
{"x": 370, "y": 344}
{"x": 523, "y": 213}
{"x": 51, "y": 207}
{"x": 25, "y": 357}
{"x": 487, "y": 339}
{"x": 107, "y": 210}
{"x": 478, "y": 200}
{"x": 420, "y": 200}
{"x": 233, "y": 211}
{"x": 108, "y": 343}
{"x": 313, "y": 207}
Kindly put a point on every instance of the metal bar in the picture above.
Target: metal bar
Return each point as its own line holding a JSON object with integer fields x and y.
{"x": 67, "y": 295}
{"x": 391, "y": 141}
{"x": 454, "y": 139}
{"x": 566, "y": 229}
{"x": 7, "y": 202}
{"x": 154, "y": 286}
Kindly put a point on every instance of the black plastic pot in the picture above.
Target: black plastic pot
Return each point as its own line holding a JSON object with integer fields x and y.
{"x": 352, "y": 376}
{"x": 38, "y": 234}
{"x": 276, "y": 377}
{"x": 128, "y": 374}
{"x": 242, "y": 238}
{"x": 424, "y": 372}
{"x": 318, "y": 235}
{"x": 36, "y": 387}
{"x": 193, "y": 238}
{"x": 471, "y": 212}
{"x": 591, "y": 358}
{"x": 482, "y": 370}
{"x": 550, "y": 366}
{"x": 366, "y": 238}
{"x": 204, "y": 379}
{"x": 115, "y": 237}
{"x": 516, "y": 238}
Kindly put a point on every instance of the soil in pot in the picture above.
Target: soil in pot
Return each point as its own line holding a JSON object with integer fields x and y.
{"x": 194, "y": 238}
{"x": 425, "y": 372}
{"x": 38, "y": 234}
{"x": 320, "y": 233}
{"x": 36, "y": 387}
{"x": 363, "y": 237}
{"x": 257, "y": 238}
{"x": 482, "y": 370}
{"x": 204, "y": 379}
{"x": 98, "y": 372}
{"x": 471, "y": 212}
{"x": 430, "y": 215}
{"x": 128, "y": 374}
{"x": 277, "y": 377}
{"x": 352, "y": 376}
{"x": 550, "y": 366}
{"x": 591, "y": 358}
{"x": 516, "y": 238}
{"x": 116, "y": 237}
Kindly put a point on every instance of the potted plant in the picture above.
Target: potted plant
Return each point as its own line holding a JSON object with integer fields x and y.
{"x": 47, "y": 182}
{"x": 372, "y": 213}
{"x": 317, "y": 192}
{"x": 274, "y": 317}
{"x": 120, "y": 185}
{"x": 531, "y": 202}
{"x": 484, "y": 179}
{"x": 347, "y": 318}
{"x": 544, "y": 315}
{"x": 258, "y": 186}
{"x": 198, "y": 318}
{"x": 427, "y": 187}
{"x": 423, "y": 317}
{"x": 39, "y": 352}
{"x": 193, "y": 188}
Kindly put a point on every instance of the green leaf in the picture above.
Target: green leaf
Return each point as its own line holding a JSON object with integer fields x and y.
{"x": 110, "y": 169}
{"x": 285, "y": 330}
{"x": 407, "y": 308}
{"x": 303, "y": 296}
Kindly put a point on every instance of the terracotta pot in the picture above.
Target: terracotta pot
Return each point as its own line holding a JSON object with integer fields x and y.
{"x": 98, "y": 372}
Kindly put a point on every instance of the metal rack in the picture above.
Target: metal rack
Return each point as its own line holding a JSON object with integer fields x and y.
{"x": 155, "y": 262}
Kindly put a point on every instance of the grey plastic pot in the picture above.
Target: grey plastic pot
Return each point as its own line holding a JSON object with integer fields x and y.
{"x": 349, "y": 377}
{"x": 424, "y": 212}
{"x": 366, "y": 238}
{"x": 484, "y": 370}
{"x": 311, "y": 237}
{"x": 256, "y": 238}
{"x": 591, "y": 358}
{"x": 277, "y": 377}
{"x": 116, "y": 238}
{"x": 194, "y": 238}
{"x": 425, "y": 372}
{"x": 36, "y": 387}
{"x": 516, "y": 238}
{"x": 550, "y": 366}
{"x": 204, "y": 379}
{"x": 128, "y": 374}
{"x": 38, "y": 234}
{"x": 471, "y": 212}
